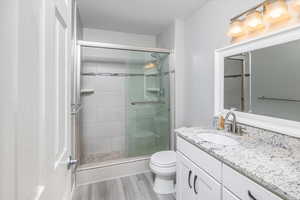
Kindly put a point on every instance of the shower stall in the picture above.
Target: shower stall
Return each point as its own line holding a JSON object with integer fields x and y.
{"x": 123, "y": 103}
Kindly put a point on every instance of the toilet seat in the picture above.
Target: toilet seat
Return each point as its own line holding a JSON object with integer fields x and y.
{"x": 165, "y": 159}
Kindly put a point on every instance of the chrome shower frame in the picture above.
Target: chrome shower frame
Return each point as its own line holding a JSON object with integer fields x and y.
{"x": 76, "y": 103}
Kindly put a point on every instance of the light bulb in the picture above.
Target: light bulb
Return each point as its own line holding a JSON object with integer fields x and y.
{"x": 254, "y": 21}
{"x": 276, "y": 10}
{"x": 295, "y": 5}
{"x": 236, "y": 29}
{"x": 150, "y": 65}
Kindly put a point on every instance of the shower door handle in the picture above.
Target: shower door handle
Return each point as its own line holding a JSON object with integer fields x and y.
{"x": 71, "y": 162}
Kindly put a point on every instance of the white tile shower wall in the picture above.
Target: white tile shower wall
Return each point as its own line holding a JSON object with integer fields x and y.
{"x": 103, "y": 113}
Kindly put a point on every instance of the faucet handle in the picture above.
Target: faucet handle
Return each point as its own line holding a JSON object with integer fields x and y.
{"x": 228, "y": 127}
{"x": 233, "y": 109}
{"x": 240, "y": 130}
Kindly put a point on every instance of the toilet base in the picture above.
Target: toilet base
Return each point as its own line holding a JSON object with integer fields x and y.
{"x": 164, "y": 184}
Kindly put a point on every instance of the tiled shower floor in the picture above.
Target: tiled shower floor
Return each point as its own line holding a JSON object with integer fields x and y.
{"x": 102, "y": 157}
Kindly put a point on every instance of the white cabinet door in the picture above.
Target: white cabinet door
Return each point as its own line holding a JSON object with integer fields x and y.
{"x": 205, "y": 187}
{"x": 228, "y": 195}
{"x": 203, "y": 160}
{"x": 243, "y": 187}
{"x": 194, "y": 183}
{"x": 184, "y": 179}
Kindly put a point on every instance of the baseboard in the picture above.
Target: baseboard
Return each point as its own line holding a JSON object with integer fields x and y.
{"x": 98, "y": 174}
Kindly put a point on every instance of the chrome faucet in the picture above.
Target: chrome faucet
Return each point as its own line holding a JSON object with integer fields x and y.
{"x": 232, "y": 127}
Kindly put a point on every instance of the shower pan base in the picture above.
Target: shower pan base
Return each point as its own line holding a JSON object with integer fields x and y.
{"x": 95, "y": 172}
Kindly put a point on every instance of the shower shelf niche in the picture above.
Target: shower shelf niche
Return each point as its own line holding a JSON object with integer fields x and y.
{"x": 152, "y": 74}
{"x": 153, "y": 90}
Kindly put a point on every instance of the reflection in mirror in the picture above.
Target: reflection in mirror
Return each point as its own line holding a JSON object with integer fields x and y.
{"x": 237, "y": 83}
{"x": 264, "y": 81}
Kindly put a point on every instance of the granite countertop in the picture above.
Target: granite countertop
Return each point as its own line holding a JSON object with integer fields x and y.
{"x": 269, "y": 159}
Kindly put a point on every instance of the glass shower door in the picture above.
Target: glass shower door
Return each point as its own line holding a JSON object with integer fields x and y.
{"x": 125, "y": 104}
{"x": 148, "y": 107}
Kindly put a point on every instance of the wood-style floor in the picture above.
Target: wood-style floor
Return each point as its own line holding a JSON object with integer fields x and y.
{"x": 138, "y": 187}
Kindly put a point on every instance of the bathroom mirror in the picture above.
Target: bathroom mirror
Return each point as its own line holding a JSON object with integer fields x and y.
{"x": 259, "y": 80}
{"x": 264, "y": 81}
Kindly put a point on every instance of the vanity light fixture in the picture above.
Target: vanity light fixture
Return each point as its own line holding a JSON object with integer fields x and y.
{"x": 295, "y": 5}
{"x": 254, "y": 21}
{"x": 236, "y": 28}
{"x": 276, "y": 11}
{"x": 262, "y": 16}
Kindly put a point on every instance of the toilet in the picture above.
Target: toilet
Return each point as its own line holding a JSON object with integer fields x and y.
{"x": 163, "y": 165}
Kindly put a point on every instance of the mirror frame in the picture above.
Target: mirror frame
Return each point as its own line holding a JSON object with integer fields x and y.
{"x": 283, "y": 126}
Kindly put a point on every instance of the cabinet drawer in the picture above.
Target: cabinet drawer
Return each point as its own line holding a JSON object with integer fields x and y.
{"x": 228, "y": 195}
{"x": 209, "y": 164}
{"x": 245, "y": 188}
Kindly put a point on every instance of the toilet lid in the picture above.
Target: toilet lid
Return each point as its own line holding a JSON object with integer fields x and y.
{"x": 164, "y": 158}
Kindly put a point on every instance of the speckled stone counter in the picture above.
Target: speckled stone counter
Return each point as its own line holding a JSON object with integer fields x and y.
{"x": 272, "y": 160}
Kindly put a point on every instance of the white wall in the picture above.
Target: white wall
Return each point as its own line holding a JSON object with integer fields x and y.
{"x": 30, "y": 151}
{"x": 205, "y": 31}
{"x": 173, "y": 38}
{"x": 20, "y": 103}
{"x": 166, "y": 39}
{"x": 181, "y": 86}
{"x": 98, "y": 35}
{"x": 8, "y": 69}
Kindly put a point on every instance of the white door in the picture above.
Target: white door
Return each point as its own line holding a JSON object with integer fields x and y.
{"x": 184, "y": 174}
{"x": 34, "y": 128}
{"x": 57, "y": 98}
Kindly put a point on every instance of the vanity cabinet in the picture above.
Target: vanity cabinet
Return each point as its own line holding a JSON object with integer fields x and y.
{"x": 184, "y": 178}
{"x": 227, "y": 195}
{"x": 203, "y": 160}
{"x": 195, "y": 184}
{"x": 243, "y": 187}
{"x": 202, "y": 177}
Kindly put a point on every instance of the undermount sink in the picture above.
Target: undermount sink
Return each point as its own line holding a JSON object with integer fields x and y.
{"x": 217, "y": 139}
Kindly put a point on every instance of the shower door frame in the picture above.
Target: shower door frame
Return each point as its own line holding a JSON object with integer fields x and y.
{"x": 82, "y": 43}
